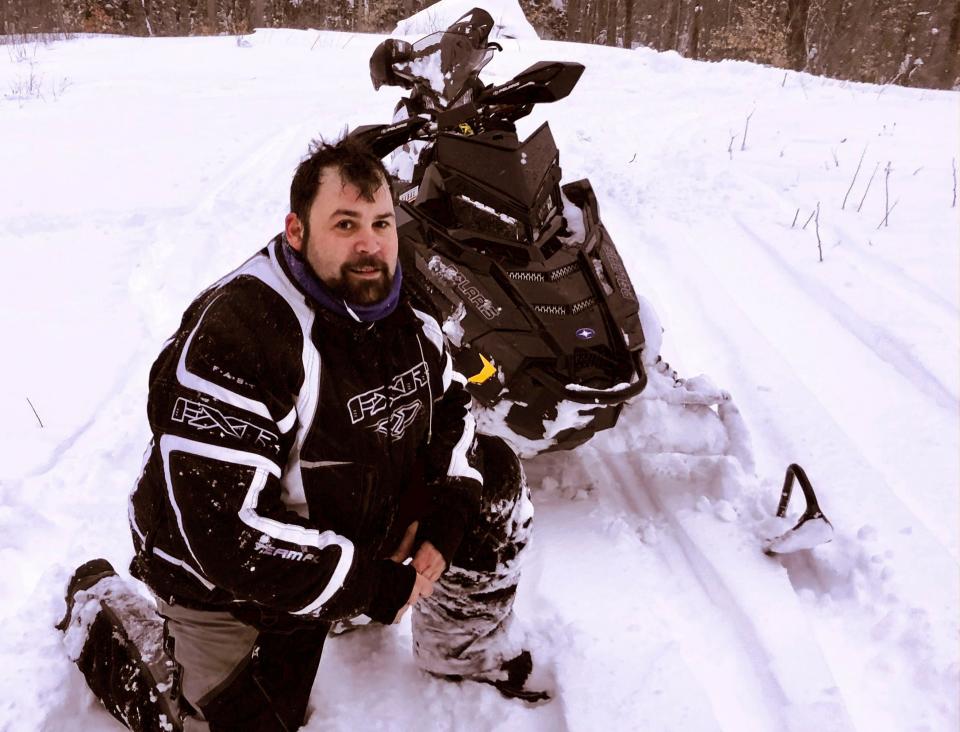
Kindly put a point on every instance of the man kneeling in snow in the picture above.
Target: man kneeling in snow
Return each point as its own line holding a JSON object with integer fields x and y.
{"x": 309, "y": 436}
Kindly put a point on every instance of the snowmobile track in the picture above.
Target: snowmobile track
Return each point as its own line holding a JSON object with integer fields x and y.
{"x": 770, "y": 631}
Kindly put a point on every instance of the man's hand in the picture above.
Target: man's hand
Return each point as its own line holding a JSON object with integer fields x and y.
{"x": 422, "y": 587}
{"x": 405, "y": 548}
{"x": 429, "y": 562}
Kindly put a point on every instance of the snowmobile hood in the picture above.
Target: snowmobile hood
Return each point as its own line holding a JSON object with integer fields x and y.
{"x": 499, "y": 170}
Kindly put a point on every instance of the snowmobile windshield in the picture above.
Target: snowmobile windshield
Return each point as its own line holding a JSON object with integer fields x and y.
{"x": 443, "y": 66}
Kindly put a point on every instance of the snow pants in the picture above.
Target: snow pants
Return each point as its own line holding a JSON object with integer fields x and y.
{"x": 230, "y": 676}
{"x": 464, "y": 627}
{"x": 235, "y": 677}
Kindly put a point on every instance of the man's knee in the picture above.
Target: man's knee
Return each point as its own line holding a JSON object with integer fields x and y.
{"x": 238, "y": 678}
{"x": 503, "y": 478}
{"x": 502, "y": 529}
{"x": 210, "y": 649}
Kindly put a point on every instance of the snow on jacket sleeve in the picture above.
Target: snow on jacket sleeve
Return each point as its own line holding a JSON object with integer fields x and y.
{"x": 222, "y": 411}
{"x": 454, "y": 485}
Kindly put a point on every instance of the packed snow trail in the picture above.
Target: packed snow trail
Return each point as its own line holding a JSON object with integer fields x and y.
{"x": 166, "y": 162}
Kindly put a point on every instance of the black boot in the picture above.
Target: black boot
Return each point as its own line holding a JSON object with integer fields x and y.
{"x": 122, "y": 656}
{"x": 513, "y": 680}
{"x": 85, "y": 577}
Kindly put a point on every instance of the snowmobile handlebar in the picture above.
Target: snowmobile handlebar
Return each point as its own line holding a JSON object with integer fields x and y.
{"x": 543, "y": 82}
{"x": 496, "y": 106}
{"x": 384, "y": 139}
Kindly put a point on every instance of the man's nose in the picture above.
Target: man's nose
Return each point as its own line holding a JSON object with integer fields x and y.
{"x": 367, "y": 241}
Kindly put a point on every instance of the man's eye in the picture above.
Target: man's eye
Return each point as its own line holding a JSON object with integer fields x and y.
{"x": 345, "y": 225}
{"x": 383, "y": 224}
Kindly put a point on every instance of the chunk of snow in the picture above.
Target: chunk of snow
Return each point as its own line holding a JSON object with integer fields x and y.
{"x": 806, "y": 536}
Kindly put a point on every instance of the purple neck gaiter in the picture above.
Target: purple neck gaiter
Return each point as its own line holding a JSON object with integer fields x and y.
{"x": 315, "y": 288}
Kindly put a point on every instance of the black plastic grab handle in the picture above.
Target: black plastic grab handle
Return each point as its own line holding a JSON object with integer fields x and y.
{"x": 604, "y": 397}
{"x": 812, "y": 511}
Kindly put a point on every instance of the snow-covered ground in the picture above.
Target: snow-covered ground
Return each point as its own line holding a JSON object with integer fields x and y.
{"x": 146, "y": 168}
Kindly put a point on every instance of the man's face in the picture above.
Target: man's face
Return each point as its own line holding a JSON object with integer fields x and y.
{"x": 349, "y": 242}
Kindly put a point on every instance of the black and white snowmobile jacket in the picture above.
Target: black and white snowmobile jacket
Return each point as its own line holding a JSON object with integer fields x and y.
{"x": 284, "y": 439}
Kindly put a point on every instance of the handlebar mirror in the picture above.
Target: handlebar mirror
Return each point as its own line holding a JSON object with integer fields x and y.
{"x": 388, "y": 53}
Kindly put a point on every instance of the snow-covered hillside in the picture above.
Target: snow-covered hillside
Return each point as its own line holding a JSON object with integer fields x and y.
{"x": 143, "y": 169}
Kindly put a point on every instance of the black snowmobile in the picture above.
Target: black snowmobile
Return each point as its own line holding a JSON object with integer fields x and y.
{"x": 535, "y": 301}
{"x": 536, "y": 314}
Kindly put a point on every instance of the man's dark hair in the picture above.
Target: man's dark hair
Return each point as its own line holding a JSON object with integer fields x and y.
{"x": 356, "y": 163}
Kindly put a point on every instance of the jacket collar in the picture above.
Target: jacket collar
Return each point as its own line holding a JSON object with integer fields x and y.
{"x": 303, "y": 276}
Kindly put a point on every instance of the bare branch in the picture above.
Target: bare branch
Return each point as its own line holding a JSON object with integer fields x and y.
{"x": 855, "y": 174}
{"x": 809, "y": 219}
{"x": 816, "y": 224}
{"x": 883, "y": 221}
{"x": 34, "y": 411}
{"x": 795, "y": 218}
{"x": 953, "y": 161}
{"x": 886, "y": 198}
{"x": 746, "y": 127}
{"x": 864, "y": 198}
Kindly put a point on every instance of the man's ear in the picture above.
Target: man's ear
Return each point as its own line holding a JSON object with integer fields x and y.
{"x": 294, "y": 231}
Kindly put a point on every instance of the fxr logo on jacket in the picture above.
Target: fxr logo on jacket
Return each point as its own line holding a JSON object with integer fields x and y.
{"x": 206, "y": 417}
{"x": 373, "y": 402}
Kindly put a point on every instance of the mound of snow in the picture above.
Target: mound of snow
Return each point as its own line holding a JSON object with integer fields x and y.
{"x": 508, "y": 19}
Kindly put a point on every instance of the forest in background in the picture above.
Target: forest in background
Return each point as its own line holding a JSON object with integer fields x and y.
{"x": 912, "y": 43}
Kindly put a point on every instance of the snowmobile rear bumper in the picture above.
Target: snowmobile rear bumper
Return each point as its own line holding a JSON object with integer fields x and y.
{"x": 585, "y": 395}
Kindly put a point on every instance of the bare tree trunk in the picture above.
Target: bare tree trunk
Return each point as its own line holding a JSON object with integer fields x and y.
{"x": 668, "y": 22}
{"x": 168, "y": 16}
{"x": 658, "y": 21}
{"x": 212, "y": 16}
{"x": 675, "y": 42}
{"x": 693, "y": 37}
{"x": 595, "y": 7}
{"x": 909, "y": 51}
{"x": 573, "y": 20}
{"x": 256, "y": 14}
{"x": 628, "y": 24}
{"x": 138, "y": 18}
{"x": 612, "y": 23}
{"x": 953, "y": 66}
{"x": 797, "y": 13}
{"x": 184, "y": 22}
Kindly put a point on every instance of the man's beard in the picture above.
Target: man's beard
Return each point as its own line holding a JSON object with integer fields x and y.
{"x": 349, "y": 288}
{"x": 362, "y": 291}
